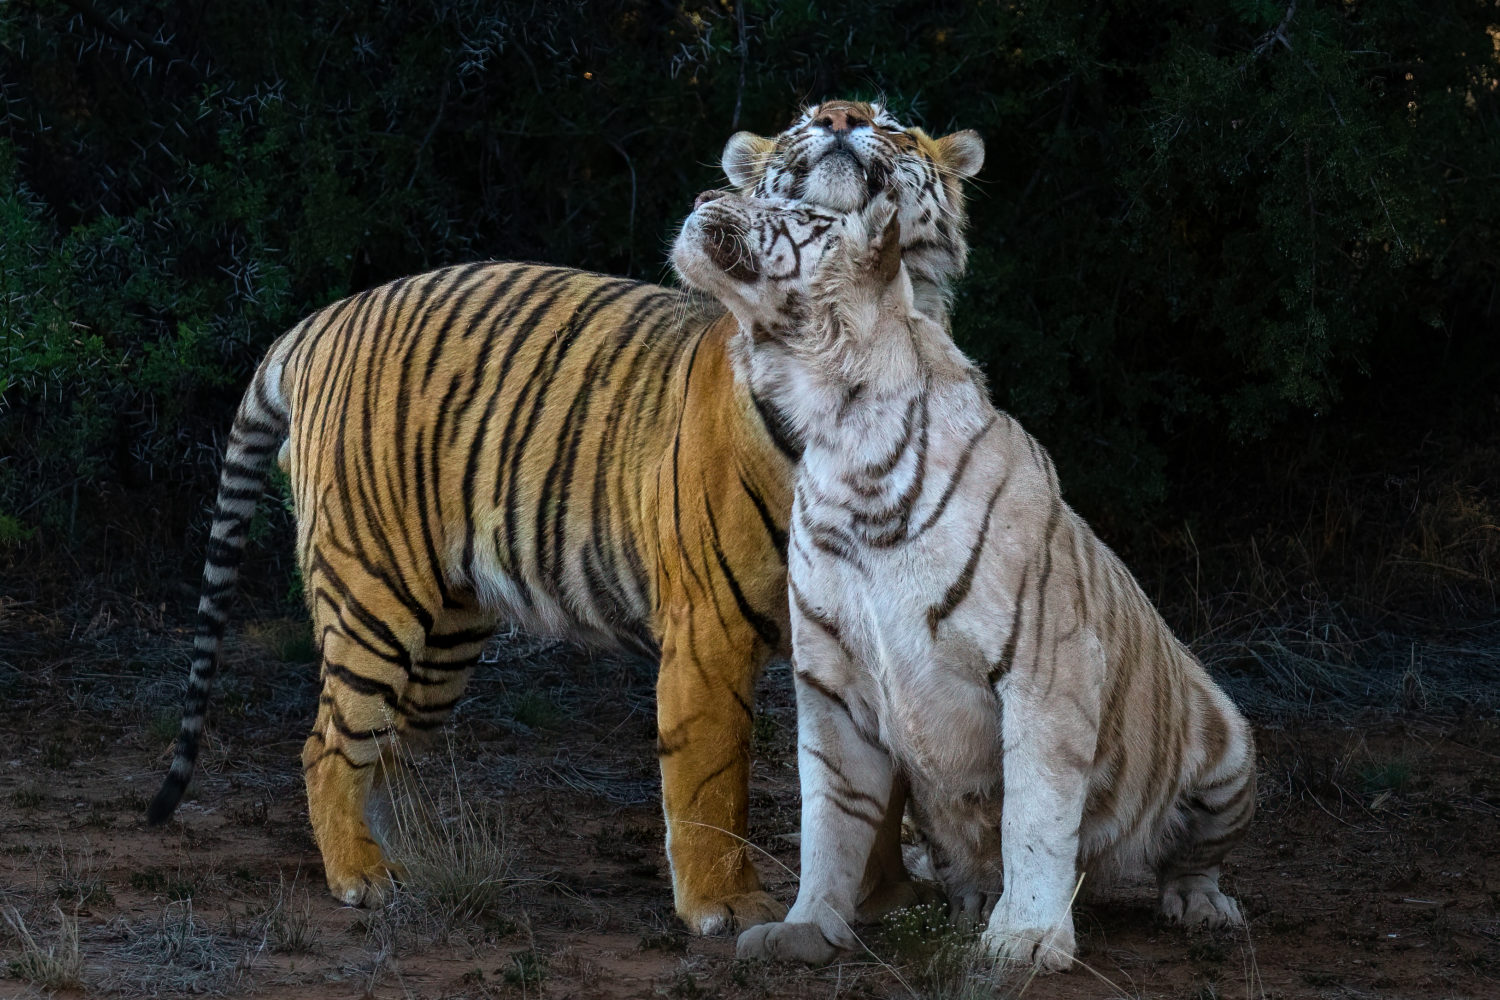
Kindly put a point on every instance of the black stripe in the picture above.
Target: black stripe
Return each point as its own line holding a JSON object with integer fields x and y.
{"x": 848, "y": 789}
{"x": 453, "y": 640}
{"x": 484, "y": 322}
{"x": 776, "y": 426}
{"x": 558, "y": 483}
{"x": 455, "y": 309}
{"x": 881, "y": 468}
{"x": 480, "y": 443}
{"x": 805, "y": 677}
{"x": 1046, "y": 577}
{"x": 775, "y": 532}
{"x": 854, "y": 813}
{"x": 956, "y": 477}
{"x": 345, "y": 600}
{"x": 647, "y": 369}
{"x": 765, "y": 627}
{"x": 1008, "y": 653}
{"x": 234, "y": 467}
{"x": 513, "y": 451}
{"x": 731, "y": 762}
{"x": 959, "y": 589}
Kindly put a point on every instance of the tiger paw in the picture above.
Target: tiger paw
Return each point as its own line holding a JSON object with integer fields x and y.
{"x": 787, "y": 942}
{"x": 1047, "y": 949}
{"x": 966, "y": 907}
{"x": 731, "y": 913}
{"x": 367, "y": 889}
{"x": 365, "y": 878}
{"x": 1195, "y": 900}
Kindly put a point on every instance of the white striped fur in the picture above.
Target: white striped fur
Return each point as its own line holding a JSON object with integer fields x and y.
{"x": 955, "y": 625}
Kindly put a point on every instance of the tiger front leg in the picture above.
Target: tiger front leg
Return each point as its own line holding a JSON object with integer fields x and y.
{"x": 703, "y": 711}
{"x": 846, "y": 779}
{"x": 1048, "y": 751}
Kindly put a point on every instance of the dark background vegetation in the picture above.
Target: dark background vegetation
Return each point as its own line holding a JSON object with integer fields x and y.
{"x": 1236, "y": 264}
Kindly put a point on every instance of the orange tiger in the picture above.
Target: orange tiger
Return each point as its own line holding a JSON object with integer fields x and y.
{"x": 560, "y": 451}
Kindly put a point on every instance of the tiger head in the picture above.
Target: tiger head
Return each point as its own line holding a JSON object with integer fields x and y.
{"x": 839, "y": 154}
{"x": 795, "y": 275}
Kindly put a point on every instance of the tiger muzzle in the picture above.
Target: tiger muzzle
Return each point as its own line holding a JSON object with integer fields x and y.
{"x": 724, "y": 240}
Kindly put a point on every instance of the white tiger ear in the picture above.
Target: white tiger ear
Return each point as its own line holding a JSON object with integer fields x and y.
{"x": 744, "y": 158}
{"x": 962, "y": 152}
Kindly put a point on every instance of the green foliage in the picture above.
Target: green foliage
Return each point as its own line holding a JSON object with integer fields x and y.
{"x": 942, "y": 959}
{"x": 1198, "y": 223}
{"x": 12, "y": 531}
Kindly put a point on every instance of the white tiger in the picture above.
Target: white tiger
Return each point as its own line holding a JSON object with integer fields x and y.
{"x": 954, "y": 621}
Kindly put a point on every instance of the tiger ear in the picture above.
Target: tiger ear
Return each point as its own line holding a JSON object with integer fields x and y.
{"x": 744, "y": 158}
{"x": 961, "y": 152}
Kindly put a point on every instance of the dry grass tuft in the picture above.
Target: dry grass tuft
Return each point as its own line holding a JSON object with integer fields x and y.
{"x": 53, "y": 961}
{"x": 288, "y": 924}
{"x": 76, "y": 880}
{"x": 177, "y": 953}
{"x": 459, "y": 868}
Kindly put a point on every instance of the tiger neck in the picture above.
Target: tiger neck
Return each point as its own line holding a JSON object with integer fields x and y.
{"x": 853, "y": 403}
{"x": 931, "y": 296}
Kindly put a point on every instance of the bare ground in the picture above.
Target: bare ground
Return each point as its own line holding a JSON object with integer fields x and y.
{"x": 1371, "y": 870}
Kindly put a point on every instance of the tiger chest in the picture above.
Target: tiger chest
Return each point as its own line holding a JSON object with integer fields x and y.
{"x": 924, "y": 689}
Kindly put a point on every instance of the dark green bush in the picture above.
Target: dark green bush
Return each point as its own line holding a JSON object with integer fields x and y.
{"x": 1199, "y": 224}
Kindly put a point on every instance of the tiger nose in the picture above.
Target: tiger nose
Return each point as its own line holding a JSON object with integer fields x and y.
{"x": 705, "y": 197}
{"x": 839, "y": 121}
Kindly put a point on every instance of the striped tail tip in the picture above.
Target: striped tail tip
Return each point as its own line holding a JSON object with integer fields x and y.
{"x": 165, "y": 804}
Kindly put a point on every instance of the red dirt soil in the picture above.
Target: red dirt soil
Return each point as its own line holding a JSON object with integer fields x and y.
{"x": 1371, "y": 869}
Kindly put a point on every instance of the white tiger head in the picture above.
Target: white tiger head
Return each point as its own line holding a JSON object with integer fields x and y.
{"x": 793, "y": 274}
{"x": 841, "y": 154}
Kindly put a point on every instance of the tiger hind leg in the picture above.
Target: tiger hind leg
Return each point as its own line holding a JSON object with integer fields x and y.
{"x": 355, "y": 729}
{"x": 434, "y": 686}
{"x": 381, "y": 690}
{"x": 1213, "y": 818}
{"x": 887, "y": 885}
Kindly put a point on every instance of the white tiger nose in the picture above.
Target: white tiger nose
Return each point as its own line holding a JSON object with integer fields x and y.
{"x": 705, "y": 197}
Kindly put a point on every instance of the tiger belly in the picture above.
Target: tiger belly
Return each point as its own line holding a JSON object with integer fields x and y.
{"x": 558, "y": 607}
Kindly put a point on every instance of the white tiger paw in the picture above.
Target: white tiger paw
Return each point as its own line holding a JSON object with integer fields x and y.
{"x": 1195, "y": 900}
{"x": 1015, "y": 938}
{"x": 788, "y": 942}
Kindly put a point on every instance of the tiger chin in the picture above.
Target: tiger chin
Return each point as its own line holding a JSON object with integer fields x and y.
{"x": 501, "y": 444}
{"x": 954, "y": 623}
